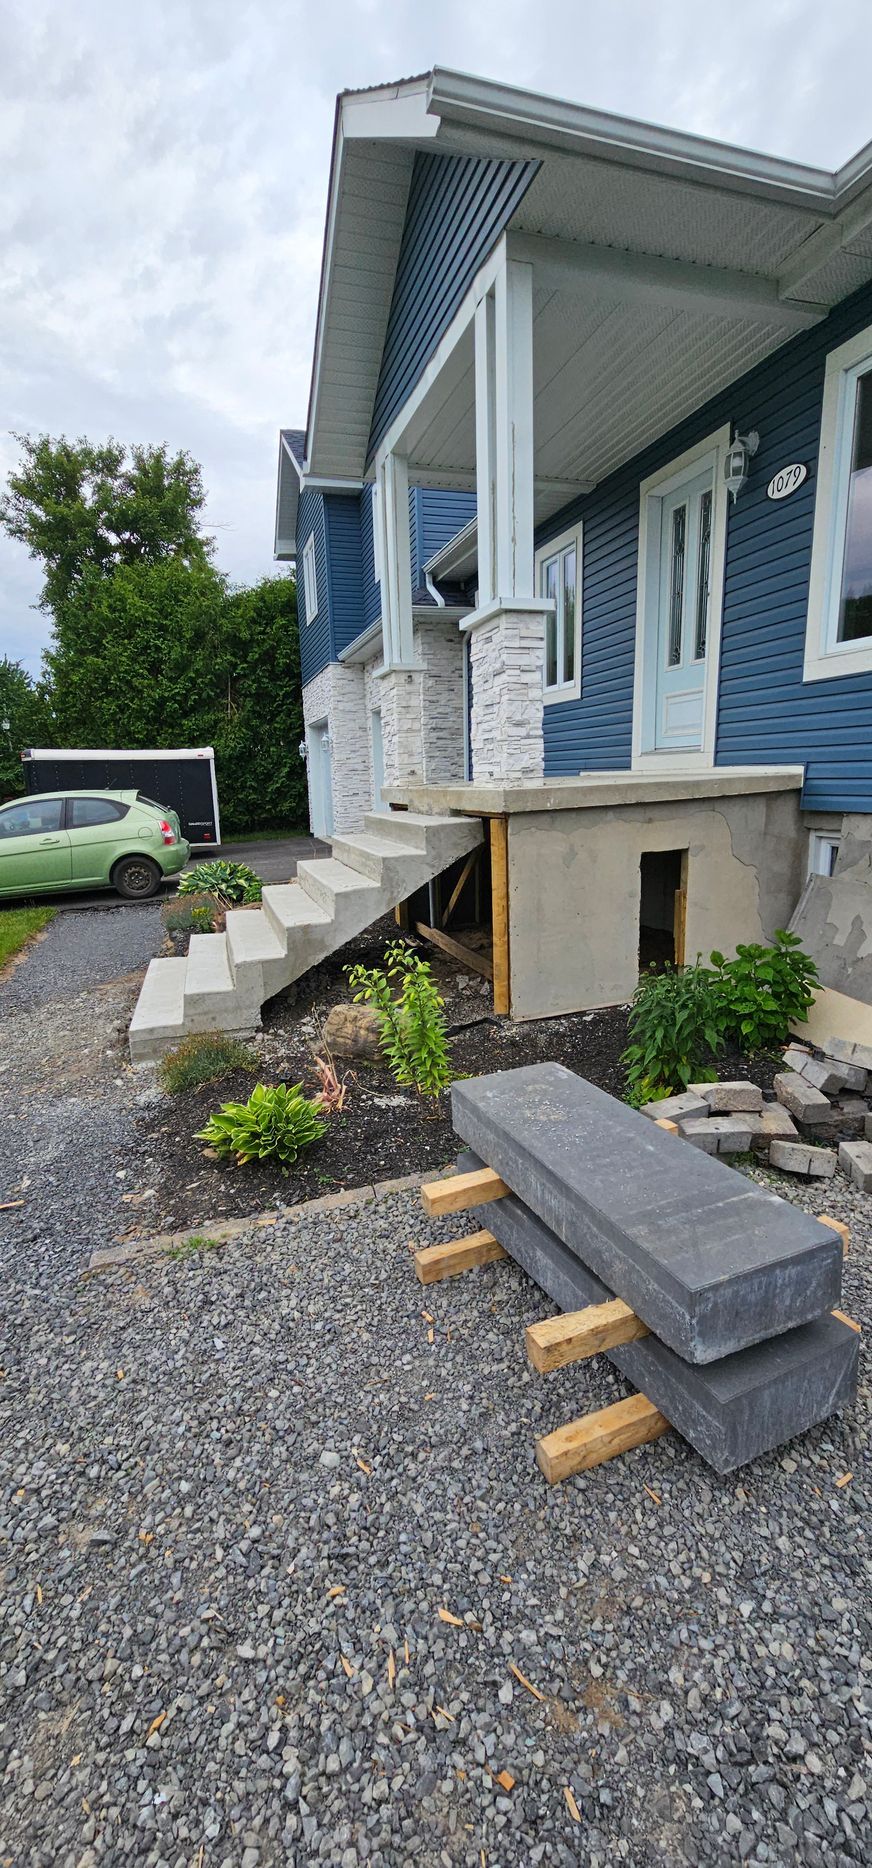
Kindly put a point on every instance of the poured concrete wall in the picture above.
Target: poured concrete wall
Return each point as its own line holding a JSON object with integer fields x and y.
{"x": 574, "y": 889}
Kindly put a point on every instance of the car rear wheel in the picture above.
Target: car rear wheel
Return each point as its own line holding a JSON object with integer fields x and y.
{"x": 136, "y": 878}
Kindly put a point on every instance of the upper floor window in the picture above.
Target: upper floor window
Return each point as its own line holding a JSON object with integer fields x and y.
{"x": 558, "y": 576}
{"x": 310, "y": 580}
{"x": 839, "y": 639}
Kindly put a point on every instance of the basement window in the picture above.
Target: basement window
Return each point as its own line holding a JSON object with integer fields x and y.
{"x": 558, "y": 576}
{"x": 823, "y": 851}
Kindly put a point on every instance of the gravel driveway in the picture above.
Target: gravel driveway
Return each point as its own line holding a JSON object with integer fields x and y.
{"x": 238, "y": 1487}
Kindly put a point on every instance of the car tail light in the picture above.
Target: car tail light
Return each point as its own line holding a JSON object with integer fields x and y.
{"x": 167, "y": 831}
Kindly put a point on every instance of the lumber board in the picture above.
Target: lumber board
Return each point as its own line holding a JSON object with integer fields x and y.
{"x": 499, "y": 857}
{"x": 837, "y": 1225}
{"x": 664, "y": 1122}
{"x": 478, "y": 962}
{"x": 842, "y": 1318}
{"x": 460, "y": 884}
{"x": 595, "y": 1438}
{"x": 461, "y": 1191}
{"x": 576, "y": 1334}
{"x": 434, "y": 1262}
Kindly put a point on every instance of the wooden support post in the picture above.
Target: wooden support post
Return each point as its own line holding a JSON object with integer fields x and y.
{"x": 837, "y": 1225}
{"x": 598, "y": 1437}
{"x": 460, "y": 885}
{"x": 679, "y": 915}
{"x": 580, "y": 1333}
{"x": 435, "y": 1262}
{"x": 461, "y": 1191}
{"x": 499, "y": 855}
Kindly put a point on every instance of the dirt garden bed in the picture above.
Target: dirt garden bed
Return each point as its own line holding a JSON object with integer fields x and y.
{"x": 383, "y": 1131}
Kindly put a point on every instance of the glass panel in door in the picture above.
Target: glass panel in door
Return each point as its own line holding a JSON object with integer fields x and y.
{"x": 683, "y": 599}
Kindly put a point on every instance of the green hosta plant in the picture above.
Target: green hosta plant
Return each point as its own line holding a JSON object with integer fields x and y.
{"x": 765, "y": 990}
{"x": 674, "y": 1033}
{"x": 230, "y": 883}
{"x": 409, "y": 1006}
{"x": 276, "y": 1124}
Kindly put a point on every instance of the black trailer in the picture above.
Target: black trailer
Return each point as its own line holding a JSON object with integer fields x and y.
{"x": 183, "y": 780}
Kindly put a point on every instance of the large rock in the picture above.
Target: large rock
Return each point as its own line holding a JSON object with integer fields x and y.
{"x": 731, "y": 1411}
{"x": 711, "y": 1261}
{"x": 354, "y": 1031}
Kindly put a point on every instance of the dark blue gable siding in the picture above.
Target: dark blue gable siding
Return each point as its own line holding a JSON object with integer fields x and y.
{"x": 440, "y": 514}
{"x": 766, "y": 713}
{"x": 371, "y": 590}
{"x": 314, "y": 632}
{"x": 344, "y": 569}
{"x": 458, "y": 207}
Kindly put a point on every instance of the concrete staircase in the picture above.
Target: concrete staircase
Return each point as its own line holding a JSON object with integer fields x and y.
{"x": 226, "y": 978}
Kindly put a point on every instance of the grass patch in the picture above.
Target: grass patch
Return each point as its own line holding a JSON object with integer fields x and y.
{"x": 190, "y": 1247}
{"x": 203, "y": 1058}
{"x": 18, "y": 925}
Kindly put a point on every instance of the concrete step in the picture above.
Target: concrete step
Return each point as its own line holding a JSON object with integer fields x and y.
{"x": 159, "y": 1019}
{"x": 369, "y": 855}
{"x": 289, "y": 909}
{"x": 255, "y": 951}
{"x": 334, "y": 887}
{"x": 212, "y": 1001}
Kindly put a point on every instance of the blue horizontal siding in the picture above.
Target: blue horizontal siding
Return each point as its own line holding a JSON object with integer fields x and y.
{"x": 766, "y": 713}
{"x": 371, "y": 589}
{"x": 441, "y": 515}
{"x": 344, "y": 569}
{"x": 457, "y": 208}
{"x": 314, "y": 634}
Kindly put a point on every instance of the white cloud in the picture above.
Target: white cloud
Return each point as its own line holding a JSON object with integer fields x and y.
{"x": 165, "y": 171}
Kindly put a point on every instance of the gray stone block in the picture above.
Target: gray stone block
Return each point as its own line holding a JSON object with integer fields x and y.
{"x": 721, "y": 1135}
{"x": 776, "y": 1124}
{"x": 855, "y": 1075}
{"x": 851, "y": 1113}
{"x": 868, "y": 1128}
{"x": 855, "y": 1160}
{"x": 672, "y": 1107}
{"x": 698, "y": 1130}
{"x": 847, "y": 1052}
{"x": 811, "y": 1108}
{"x": 830, "y": 1076}
{"x": 795, "y": 1055}
{"x": 724, "y": 1098}
{"x": 801, "y": 1158}
{"x": 731, "y": 1411}
{"x": 710, "y": 1260}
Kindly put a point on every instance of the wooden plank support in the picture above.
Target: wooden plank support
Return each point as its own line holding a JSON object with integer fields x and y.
{"x": 597, "y": 1437}
{"x": 460, "y": 884}
{"x": 663, "y": 1122}
{"x": 477, "y": 962}
{"x": 460, "y": 1191}
{"x": 499, "y": 857}
{"x": 576, "y": 1334}
{"x": 435, "y": 1262}
{"x": 849, "y": 1320}
{"x": 837, "y": 1225}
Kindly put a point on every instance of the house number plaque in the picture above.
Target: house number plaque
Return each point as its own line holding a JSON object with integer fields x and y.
{"x": 786, "y": 480}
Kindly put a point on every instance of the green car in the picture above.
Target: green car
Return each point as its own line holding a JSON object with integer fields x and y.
{"x": 88, "y": 840}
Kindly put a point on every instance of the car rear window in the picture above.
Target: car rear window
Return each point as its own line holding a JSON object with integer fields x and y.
{"x": 83, "y": 812}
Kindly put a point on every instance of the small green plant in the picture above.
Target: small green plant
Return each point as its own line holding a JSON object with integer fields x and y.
{"x": 203, "y": 1058}
{"x": 674, "y": 1033}
{"x": 276, "y": 1124}
{"x": 188, "y": 1248}
{"x": 764, "y": 990}
{"x": 404, "y": 995}
{"x": 193, "y": 914}
{"x": 230, "y": 883}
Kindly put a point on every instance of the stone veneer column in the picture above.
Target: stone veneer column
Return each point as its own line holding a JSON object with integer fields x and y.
{"x": 439, "y": 648}
{"x": 507, "y": 655}
{"x": 399, "y": 694}
{"x": 337, "y": 696}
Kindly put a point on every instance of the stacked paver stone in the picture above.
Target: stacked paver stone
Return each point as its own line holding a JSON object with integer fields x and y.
{"x": 737, "y": 1287}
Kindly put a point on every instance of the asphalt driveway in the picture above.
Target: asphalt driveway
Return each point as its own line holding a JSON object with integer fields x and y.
{"x": 274, "y": 860}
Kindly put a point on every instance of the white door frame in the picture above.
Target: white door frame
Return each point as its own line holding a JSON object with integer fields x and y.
{"x": 710, "y": 451}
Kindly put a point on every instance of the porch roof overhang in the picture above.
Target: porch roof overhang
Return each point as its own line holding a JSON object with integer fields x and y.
{"x": 664, "y": 266}
{"x": 292, "y": 443}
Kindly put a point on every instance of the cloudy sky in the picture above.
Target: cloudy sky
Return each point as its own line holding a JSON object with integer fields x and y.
{"x": 164, "y": 169}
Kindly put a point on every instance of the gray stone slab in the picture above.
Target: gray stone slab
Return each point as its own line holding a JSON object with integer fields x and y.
{"x": 829, "y": 1075}
{"x": 801, "y": 1158}
{"x": 811, "y": 1108}
{"x": 847, "y": 1052}
{"x": 721, "y": 1135}
{"x": 855, "y": 1160}
{"x": 725, "y": 1098}
{"x": 776, "y": 1124}
{"x": 731, "y": 1411}
{"x": 672, "y": 1107}
{"x": 710, "y": 1260}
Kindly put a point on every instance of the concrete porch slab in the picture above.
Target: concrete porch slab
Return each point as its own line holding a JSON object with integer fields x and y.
{"x": 593, "y": 790}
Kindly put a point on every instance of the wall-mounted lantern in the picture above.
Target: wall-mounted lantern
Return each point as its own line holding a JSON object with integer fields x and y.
{"x": 741, "y": 450}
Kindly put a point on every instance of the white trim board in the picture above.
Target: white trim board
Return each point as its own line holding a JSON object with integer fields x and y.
{"x": 824, "y": 659}
{"x": 657, "y": 485}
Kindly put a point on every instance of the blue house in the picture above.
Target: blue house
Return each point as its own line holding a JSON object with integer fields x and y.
{"x": 582, "y": 516}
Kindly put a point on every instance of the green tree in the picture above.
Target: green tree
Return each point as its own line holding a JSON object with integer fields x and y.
{"x": 261, "y": 777}
{"x": 25, "y": 720}
{"x": 81, "y": 507}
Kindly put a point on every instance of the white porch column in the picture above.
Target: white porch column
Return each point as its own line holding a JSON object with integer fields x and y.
{"x": 401, "y": 676}
{"x": 508, "y": 629}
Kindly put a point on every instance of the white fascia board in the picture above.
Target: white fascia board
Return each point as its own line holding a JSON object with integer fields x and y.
{"x": 396, "y": 113}
{"x": 287, "y": 501}
{"x": 459, "y": 550}
{"x": 325, "y": 483}
{"x": 571, "y": 265}
{"x": 825, "y": 242}
{"x": 528, "y": 116}
{"x": 364, "y": 646}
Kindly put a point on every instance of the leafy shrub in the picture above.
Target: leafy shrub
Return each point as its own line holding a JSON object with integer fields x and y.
{"x": 203, "y": 1058}
{"x": 674, "y": 1028}
{"x": 194, "y": 914}
{"x": 409, "y": 1005}
{"x": 230, "y": 883}
{"x": 764, "y": 990}
{"x": 276, "y": 1123}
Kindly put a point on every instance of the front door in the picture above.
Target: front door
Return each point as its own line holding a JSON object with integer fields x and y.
{"x": 682, "y": 614}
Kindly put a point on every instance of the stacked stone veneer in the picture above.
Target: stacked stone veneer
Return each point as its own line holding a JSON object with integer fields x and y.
{"x": 507, "y": 661}
{"x": 337, "y": 695}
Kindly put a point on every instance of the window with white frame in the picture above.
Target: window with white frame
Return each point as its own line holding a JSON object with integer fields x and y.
{"x": 310, "y": 580}
{"x": 839, "y": 639}
{"x": 823, "y": 850}
{"x": 558, "y": 575}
